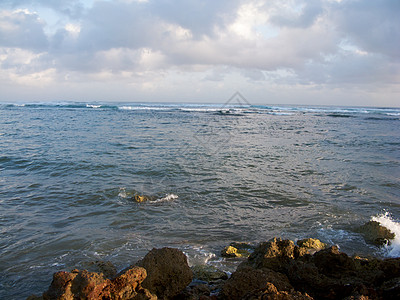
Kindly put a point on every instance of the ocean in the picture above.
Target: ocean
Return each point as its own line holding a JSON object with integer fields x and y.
{"x": 217, "y": 173}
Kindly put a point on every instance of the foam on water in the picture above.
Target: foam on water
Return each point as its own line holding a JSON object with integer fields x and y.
{"x": 166, "y": 198}
{"x": 386, "y": 220}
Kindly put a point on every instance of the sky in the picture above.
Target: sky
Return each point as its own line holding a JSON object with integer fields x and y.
{"x": 319, "y": 52}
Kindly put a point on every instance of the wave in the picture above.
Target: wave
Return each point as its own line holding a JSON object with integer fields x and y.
{"x": 386, "y": 220}
{"x": 371, "y": 113}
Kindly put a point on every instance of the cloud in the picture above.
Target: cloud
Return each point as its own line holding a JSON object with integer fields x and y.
{"x": 295, "y": 42}
{"x": 372, "y": 26}
{"x": 22, "y": 29}
{"x": 71, "y": 8}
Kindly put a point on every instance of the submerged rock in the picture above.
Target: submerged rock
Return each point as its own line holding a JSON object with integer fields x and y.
{"x": 376, "y": 234}
{"x": 143, "y": 198}
{"x": 168, "y": 272}
{"x": 208, "y": 273}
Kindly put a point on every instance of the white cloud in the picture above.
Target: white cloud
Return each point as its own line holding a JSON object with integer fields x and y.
{"x": 330, "y": 44}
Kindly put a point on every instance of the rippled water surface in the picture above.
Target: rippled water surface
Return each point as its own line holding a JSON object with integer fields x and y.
{"x": 68, "y": 173}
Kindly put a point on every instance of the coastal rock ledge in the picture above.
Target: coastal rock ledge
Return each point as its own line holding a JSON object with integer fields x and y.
{"x": 277, "y": 269}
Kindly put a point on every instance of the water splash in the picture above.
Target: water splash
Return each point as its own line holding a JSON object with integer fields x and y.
{"x": 386, "y": 220}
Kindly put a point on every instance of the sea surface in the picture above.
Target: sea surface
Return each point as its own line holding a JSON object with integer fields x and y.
{"x": 218, "y": 173}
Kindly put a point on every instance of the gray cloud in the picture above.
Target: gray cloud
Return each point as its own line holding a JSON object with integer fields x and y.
{"x": 22, "y": 30}
{"x": 304, "y": 15}
{"x": 372, "y": 25}
{"x": 291, "y": 42}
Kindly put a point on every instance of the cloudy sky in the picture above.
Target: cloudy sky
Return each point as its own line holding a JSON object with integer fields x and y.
{"x": 343, "y": 52}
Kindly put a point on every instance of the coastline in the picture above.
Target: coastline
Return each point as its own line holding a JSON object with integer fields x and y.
{"x": 276, "y": 269}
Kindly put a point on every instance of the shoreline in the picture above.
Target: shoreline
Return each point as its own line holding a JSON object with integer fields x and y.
{"x": 276, "y": 269}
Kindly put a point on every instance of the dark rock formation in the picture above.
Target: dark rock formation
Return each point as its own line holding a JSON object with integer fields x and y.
{"x": 376, "y": 234}
{"x": 277, "y": 269}
{"x": 328, "y": 274}
{"x": 168, "y": 272}
{"x": 247, "y": 280}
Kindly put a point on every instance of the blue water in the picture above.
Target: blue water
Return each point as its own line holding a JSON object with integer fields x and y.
{"x": 218, "y": 173}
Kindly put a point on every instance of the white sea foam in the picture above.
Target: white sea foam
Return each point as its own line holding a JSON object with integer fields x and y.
{"x": 92, "y": 106}
{"x": 197, "y": 255}
{"x": 386, "y": 220}
{"x": 168, "y": 197}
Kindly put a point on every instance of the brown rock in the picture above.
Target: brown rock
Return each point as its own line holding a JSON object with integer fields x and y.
{"x": 310, "y": 246}
{"x": 247, "y": 280}
{"x": 168, "y": 272}
{"x": 272, "y": 293}
{"x": 127, "y": 285}
{"x": 89, "y": 285}
{"x": 275, "y": 254}
{"x": 77, "y": 284}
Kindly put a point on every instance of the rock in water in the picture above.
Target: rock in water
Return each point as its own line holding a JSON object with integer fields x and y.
{"x": 208, "y": 273}
{"x": 237, "y": 250}
{"x": 168, "y": 272}
{"x": 376, "y": 234}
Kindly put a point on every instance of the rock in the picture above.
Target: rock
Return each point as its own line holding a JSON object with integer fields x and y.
{"x": 127, "y": 285}
{"x": 89, "y": 285}
{"x": 275, "y": 254}
{"x": 77, "y": 284}
{"x": 270, "y": 292}
{"x": 376, "y": 234}
{"x": 139, "y": 198}
{"x": 247, "y": 279}
{"x": 237, "y": 249}
{"x": 208, "y": 273}
{"x": 310, "y": 246}
{"x": 105, "y": 267}
{"x": 168, "y": 272}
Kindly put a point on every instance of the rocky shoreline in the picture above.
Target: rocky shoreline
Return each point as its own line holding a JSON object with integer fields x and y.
{"x": 276, "y": 269}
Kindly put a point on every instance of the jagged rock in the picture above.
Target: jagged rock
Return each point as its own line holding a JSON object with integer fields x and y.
{"x": 274, "y": 254}
{"x": 89, "y": 285}
{"x": 168, "y": 272}
{"x": 310, "y": 246}
{"x": 248, "y": 279}
{"x": 208, "y": 273}
{"x": 237, "y": 249}
{"x": 76, "y": 284}
{"x": 375, "y": 233}
{"x": 270, "y": 292}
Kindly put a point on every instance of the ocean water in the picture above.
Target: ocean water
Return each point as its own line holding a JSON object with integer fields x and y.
{"x": 217, "y": 174}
